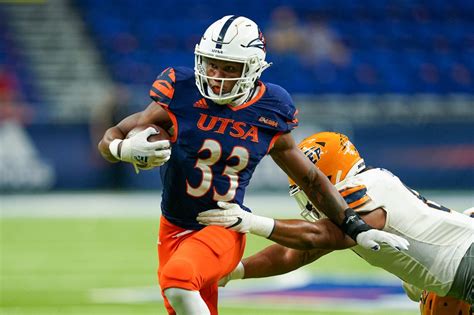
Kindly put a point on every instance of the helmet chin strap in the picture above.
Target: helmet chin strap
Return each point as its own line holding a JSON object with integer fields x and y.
{"x": 246, "y": 97}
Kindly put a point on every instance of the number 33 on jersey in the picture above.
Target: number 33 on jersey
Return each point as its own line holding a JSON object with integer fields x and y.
{"x": 215, "y": 147}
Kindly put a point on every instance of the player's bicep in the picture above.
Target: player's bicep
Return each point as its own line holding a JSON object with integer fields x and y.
{"x": 153, "y": 114}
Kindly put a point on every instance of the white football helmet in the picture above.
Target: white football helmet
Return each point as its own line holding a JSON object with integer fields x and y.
{"x": 236, "y": 39}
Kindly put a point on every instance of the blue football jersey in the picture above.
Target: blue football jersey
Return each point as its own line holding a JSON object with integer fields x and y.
{"x": 215, "y": 148}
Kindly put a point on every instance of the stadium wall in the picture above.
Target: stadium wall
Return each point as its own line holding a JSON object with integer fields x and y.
{"x": 431, "y": 155}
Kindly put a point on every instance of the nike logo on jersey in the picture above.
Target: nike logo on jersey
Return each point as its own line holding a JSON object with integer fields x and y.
{"x": 236, "y": 129}
{"x": 239, "y": 220}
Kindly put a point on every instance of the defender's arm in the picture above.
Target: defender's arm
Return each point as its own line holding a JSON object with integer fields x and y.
{"x": 276, "y": 260}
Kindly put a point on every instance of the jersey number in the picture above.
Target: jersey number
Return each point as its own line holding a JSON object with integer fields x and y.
{"x": 205, "y": 166}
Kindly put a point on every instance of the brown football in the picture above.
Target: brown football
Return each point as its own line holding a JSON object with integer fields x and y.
{"x": 162, "y": 135}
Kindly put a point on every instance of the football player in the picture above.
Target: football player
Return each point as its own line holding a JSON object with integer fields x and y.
{"x": 223, "y": 121}
{"x": 441, "y": 254}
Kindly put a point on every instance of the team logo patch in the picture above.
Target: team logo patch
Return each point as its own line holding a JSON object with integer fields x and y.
{"x": 258, "y": 42}
{"x": 268, "y": 121}
{"x": 201, "y": 104}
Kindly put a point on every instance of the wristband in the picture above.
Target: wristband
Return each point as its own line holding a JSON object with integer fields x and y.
{"x": 261, "y": 226}
{"x": 353, "y": 224}
{"x": 238, "y": 273}
{"x": 113, "y": 148}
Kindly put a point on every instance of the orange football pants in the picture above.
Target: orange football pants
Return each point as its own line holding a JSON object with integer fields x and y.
{"x": 196, "y": 260}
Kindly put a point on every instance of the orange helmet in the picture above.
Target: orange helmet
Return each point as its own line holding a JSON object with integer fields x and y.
{"x": 432, "y": 304}
{"x": 335, "y": 156}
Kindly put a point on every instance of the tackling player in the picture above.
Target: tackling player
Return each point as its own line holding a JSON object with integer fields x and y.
{"x": 441, "y": 254}
{"x": 223, "y": 121}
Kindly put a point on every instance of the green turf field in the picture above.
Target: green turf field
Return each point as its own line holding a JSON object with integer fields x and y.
{"x": 57, "y": 266}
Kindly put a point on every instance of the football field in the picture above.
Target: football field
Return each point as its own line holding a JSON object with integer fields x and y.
{"x": 83, "y": 255}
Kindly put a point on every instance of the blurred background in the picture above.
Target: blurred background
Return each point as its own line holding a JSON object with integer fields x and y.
{"x": 396, "y": 76}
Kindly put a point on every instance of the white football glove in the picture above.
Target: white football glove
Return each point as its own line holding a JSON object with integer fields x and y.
{"x": 237, "y": 273}
{"x": 371, "y": 239}
{"x": 233, "y": 217}
{"x": 140, "y": 152}
{"x": 368, "y": 237}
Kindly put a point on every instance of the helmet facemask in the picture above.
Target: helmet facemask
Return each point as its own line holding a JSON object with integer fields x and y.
{"x": 308, "y": 211}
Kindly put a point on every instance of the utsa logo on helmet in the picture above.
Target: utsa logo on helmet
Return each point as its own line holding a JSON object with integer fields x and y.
{"x": 257, "y": 42}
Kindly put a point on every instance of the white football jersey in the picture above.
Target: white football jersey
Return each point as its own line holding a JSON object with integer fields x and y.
{"x": 438, "y": 238}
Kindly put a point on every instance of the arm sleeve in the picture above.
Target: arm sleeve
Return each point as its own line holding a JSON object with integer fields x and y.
{"x": 162, "y": 90}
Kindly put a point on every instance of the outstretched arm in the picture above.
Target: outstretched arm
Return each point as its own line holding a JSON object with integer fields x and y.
{"x": 276, "y": 260}
{"x": 297, "y": 234}
{"x": 322, "y": 194}
{"x": 303, "y": 235}
{"x": 272, "y": 261}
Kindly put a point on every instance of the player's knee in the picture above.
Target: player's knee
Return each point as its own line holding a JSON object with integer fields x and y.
{"x": 175, "y": 296}
{"x": 176, "y": 272}
{"x": 186, "y": 301}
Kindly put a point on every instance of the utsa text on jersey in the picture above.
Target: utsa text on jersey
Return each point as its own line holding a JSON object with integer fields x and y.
{"x": 236, "y": 129}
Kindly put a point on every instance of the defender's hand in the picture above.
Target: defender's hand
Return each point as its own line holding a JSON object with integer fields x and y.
{"x": 372, "y": 239}
{"x": 368, "y": 237}
{"x": 139, "y": 151}
{"x": 231, "y": 216}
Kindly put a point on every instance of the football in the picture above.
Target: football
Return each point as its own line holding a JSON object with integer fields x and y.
{"x": 162, "y": 133}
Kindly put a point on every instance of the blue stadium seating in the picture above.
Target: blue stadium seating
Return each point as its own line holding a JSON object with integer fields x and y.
{"x": 407, "y": 46}
{"x": 15, "y": 65}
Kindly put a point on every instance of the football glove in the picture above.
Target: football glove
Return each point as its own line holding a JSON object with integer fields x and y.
{"x": 368, "y": 237}
{"x": 232, "y": 216}
{"x": 140, "y": 152}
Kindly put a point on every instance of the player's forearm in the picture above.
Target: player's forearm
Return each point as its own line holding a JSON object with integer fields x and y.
{"x": 324, "y": 195}
{"x": 303, "y": 235}
{"x": 117, "y": 132}
{"x": 103, "y": 146}
{"x": 276, "y": 260}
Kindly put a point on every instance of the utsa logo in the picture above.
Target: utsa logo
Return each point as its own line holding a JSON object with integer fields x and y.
{"x": 258, "y": 42}
{"x": 236, "y": 129}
